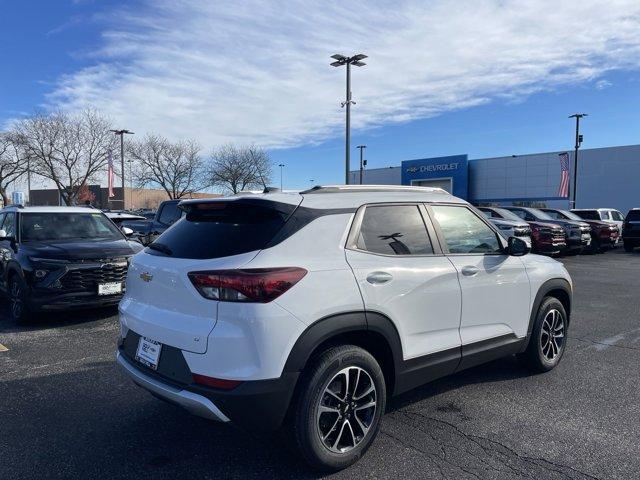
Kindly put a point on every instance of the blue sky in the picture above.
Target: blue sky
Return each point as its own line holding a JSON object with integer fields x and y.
{"x": 483, "y": 77}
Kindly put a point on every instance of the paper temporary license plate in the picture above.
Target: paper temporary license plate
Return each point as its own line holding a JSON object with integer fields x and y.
{"x": 109, "y": 288}
{"x": 148, "y": 352}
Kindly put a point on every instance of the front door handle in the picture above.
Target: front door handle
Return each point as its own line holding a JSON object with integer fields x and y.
{"x": 470, "y": 270}
{"x": 377, "y": 278}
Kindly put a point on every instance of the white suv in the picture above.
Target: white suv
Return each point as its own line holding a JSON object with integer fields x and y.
{"x": 311, "y": 309}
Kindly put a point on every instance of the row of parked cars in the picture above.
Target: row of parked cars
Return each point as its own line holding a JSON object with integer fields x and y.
{"x": 553, "y": 231}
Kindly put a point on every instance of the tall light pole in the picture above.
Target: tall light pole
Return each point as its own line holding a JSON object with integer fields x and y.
{"x": 122, "y": 133}
{"x": 361, "y": 147}
{"x": 355, "y": 60}
{"x": 577, "y": 116}
{"x": 281, "y": 165}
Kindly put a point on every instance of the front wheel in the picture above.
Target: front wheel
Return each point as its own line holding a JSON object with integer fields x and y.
{"x": 548, "y": 337}
{"x": 18, "y": 308}
{"x": 338, "y": 408}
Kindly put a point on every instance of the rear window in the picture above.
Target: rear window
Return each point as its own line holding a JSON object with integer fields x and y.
{"x": 588, "y": 214}
{"x": 221, "y": 229}
{"x": 633, "y": 215}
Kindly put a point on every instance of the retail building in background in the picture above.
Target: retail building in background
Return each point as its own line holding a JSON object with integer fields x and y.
{"x": 607, "y": 177}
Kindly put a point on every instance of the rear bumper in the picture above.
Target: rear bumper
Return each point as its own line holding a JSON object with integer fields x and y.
{"x": 192, "y": 402}
{"x": 254, "y": 404}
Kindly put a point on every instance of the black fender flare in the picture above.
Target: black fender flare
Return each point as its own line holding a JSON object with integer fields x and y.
{"x": 338, "y": 324}
{"x": 543, "y": 291}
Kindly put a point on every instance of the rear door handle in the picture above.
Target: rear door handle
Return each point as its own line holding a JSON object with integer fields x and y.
{"x": 470, "y": 270}
{"x": 377, "y": 278}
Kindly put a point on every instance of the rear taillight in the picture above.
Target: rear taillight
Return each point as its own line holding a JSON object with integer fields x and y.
{"x": 259, "y": 285}
{"x": 220, "y": 383}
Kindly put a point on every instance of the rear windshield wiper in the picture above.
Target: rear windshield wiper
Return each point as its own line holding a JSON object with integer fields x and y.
{"x": 160, "y": 247}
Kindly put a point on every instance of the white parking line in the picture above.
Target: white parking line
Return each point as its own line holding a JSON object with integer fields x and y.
{"x": 3, "y": 348}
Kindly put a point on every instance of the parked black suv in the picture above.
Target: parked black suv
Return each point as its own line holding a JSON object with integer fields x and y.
{"x": 54, "y": 258}
{"x": 147, "y": 230}
{"x": 631, "y": 230}
{"x": 577, "y": 233}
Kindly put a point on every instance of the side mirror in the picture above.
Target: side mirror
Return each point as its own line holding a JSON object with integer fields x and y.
{"x": 127, "y": 231}
{"x": 518, "y": 247}
{"x": 3, "y": 234}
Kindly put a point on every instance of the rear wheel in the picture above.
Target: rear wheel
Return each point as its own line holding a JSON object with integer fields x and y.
{"x": 338, "y": 408}
{"x": 548, "y": 337}
{"x": 18, "y": 308}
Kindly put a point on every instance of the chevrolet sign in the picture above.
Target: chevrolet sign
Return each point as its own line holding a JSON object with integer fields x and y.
{"x": 443, "y": 167}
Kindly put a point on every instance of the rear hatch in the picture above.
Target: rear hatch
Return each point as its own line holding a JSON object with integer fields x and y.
{"x": 161, "y": 302}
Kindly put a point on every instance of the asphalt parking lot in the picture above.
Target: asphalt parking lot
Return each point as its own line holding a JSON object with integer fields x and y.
{"x": 66, "y": 411}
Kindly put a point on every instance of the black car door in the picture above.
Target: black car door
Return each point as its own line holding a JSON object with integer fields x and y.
{"x": 7, "y": 223}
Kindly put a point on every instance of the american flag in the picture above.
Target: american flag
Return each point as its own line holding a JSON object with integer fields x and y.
{"x": 563, "y": 189}
{"x": 111, "y": 176}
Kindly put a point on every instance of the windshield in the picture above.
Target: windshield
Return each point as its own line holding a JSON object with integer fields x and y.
{"x": 507, "y": 215}
{"x": 588, "y": 214}
{"x": 541, "y": 215}
{"x": 46, "y": 227}
{"x": 570, "y": 215}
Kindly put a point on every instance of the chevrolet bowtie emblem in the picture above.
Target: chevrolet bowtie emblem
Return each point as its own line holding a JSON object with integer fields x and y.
{"x": 146, "y": 277}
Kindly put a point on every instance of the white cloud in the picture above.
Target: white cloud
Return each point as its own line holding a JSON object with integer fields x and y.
{"x": 258, "y": 71}
{"x": 602, "y": 84}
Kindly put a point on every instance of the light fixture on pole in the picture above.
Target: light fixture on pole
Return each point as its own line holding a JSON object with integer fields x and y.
{"x": 362, "y": 161}
{"x": 122, "y": 133}
{"x": 577, "y": 116}
{"x": 281, "y": 165}
{"x": 355, "y": 60}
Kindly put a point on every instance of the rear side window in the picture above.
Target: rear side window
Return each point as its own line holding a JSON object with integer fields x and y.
{"x": 633, "y": 216}
{"x": 394, "y": 230}
{"x": 169, "y": 214}
{"x": 464, "y": 232}
{"x": 8, "y": 225}
{"x": 617, "y": 216}
{"x": 605, "y": 215}
{"x": 588, "y": 214}
{"x": 221, "y": 229}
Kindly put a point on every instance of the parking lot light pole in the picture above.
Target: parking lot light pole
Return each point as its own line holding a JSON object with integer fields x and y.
{"x": 361, "y": 147}
{"x": 281, "y": 165}
{"x": 577, "y": 116}
{"x": 122, "y": 133}
{"x": 355, "y": 60}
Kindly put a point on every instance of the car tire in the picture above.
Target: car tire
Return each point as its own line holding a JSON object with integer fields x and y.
{"x": 338, "y": 407}
{"x": 548, "y": 337}
{"x": 17, "y": 291}
{"x": 628, "y": 247}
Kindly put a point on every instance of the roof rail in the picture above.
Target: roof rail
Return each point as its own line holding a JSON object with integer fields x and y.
{"x": 371, "y": 188}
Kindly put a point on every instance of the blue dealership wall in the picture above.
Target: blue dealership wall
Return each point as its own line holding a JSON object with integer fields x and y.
{"x": 453, "y": 167}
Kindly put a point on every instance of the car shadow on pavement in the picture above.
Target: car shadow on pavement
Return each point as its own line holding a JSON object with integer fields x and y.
{"x": 45, "y": 320}
{"x": 501, "y": 370}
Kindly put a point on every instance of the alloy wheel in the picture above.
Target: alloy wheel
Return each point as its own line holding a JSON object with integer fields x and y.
{"x": 552, "y": 335}
{"x": 15, "y": 299}
{"x": 346, "y": 409}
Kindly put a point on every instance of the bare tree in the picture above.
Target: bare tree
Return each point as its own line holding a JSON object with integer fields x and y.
{"x": 177, "y": 168}
{"x": 13, "y": 162}
{"x": 237, "y": 168}
{"x": 70, "y": 150}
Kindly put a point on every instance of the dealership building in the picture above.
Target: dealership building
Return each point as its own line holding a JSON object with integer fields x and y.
{"x": 607, "y": 178}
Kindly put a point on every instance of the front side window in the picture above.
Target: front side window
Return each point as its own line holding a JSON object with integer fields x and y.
{"x": 394, "y": 230}
{"x": 47, "y": 227}
{"x": 605, "y": 215}
{"x": 617, "y": 216}
{"x": 464, "y": 232}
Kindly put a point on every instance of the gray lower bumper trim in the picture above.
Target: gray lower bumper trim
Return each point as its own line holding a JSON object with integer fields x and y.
{"x": 194, "y": 403}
